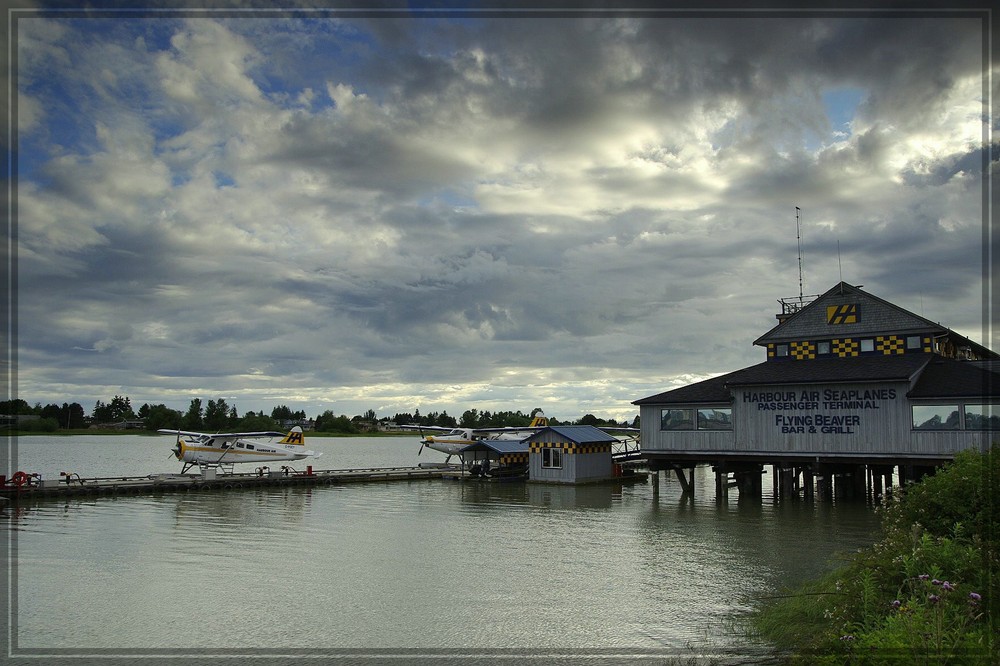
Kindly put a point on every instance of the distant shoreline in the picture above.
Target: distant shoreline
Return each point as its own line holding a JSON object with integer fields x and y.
{"x": 90, "y": 432}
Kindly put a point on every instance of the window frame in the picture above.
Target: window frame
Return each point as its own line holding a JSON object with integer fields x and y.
{"x": 726, "y": 426}
{"x": 988, "y": 412}
{"x": 953, "y": 407}
{"x": 552, "y": 457}
{"x": 687, "y": 422}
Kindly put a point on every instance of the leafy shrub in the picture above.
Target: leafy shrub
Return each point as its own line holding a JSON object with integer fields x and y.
{"x": 926, "y": 592}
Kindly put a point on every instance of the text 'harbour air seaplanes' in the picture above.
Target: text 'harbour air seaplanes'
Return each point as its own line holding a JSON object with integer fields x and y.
{"x": 222, "y": 450}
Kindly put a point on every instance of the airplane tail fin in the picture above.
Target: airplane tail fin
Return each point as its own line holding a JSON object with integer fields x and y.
{"x": 294, "y": 436}
{"x": 539, "y": 421}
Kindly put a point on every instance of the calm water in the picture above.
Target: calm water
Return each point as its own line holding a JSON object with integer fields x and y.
{"x": 432, "y": 565}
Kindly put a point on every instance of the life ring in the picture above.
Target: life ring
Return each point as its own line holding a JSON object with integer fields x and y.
{"x": 19, "y": 479}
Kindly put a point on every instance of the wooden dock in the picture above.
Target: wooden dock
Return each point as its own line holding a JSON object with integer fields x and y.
{"x": 29, "y": 487}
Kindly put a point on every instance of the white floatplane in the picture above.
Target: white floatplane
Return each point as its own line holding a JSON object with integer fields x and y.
{"x": 453, "y": 440}
{"x": 224, "y": 449}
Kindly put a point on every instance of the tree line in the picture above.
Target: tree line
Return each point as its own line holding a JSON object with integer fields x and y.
{"x": 218, "y": 415}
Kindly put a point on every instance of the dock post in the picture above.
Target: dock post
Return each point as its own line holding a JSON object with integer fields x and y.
{"x": 877, "y": 486}
{"x": 654, "y": 478}
{"x": 858, "y": 481}
{"x": 824, "y": 485}
{"x": 722, "y": 483}
{"x": 687, "y": 486}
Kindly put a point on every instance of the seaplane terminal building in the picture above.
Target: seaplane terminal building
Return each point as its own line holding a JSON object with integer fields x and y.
{"x": 851, "y": 385}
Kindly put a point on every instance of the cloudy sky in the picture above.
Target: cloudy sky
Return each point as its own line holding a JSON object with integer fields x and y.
{"x": 442, "y": 212}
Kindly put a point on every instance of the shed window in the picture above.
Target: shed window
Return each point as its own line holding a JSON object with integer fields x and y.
{"x": 935, "y": 417}
{"x": 677, "y": 419}
{"x": 715, "y": 419}
{"x": 982, "y": 417}
{"x": 913, "y": 342}
{"x": 552, "y": 458}
{"x": 781, "y": 350}
{"x": 867, "y": 345}
{"x": 823, "y": 347}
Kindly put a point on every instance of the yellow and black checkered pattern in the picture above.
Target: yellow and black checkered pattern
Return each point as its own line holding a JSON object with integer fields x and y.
{"x": 770, "y": 350}
{"x": 571, "y": 447}
{"x": 803, "y": 351}
{"x": 842, "y": 314}
{"x": 890, "y": 344}
{"x": 846, "y": 347}
{"x": 513, "y": 458}
{"x": 928, "y": 347}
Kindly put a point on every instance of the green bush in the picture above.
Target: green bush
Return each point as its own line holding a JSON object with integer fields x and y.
{"x": 926, "y": 592}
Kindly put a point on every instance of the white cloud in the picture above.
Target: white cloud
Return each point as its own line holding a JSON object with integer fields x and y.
{"x": 509, "y": 217}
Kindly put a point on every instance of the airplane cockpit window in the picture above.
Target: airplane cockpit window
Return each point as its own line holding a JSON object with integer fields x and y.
{"x": 239, "y": 445}
{"x": 250, "y": 447}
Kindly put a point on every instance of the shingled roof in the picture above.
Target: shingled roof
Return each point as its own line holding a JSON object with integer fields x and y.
{"x": 936, "y": 377}
{"x": 946, "y": 378}
{"x": 871, "y": 316}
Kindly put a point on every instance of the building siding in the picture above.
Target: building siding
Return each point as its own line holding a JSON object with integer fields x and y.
{"x": 838, "y": 419}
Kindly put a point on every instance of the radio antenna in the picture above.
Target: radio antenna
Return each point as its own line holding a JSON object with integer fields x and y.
{"x": 840, "y": 267}
{"x": 798, "y": 239}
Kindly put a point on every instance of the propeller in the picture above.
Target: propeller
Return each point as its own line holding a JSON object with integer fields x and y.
{"x": 176, "y": 451}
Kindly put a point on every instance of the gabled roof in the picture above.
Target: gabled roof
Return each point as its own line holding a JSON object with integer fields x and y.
{"x": 581, "y": 434}
{"x": 860, "y": 314}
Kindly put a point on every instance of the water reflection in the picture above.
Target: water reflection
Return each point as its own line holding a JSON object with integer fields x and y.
{"x": 426, "y": 564}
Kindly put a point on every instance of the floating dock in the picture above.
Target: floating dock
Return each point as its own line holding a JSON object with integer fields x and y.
{"x": 23, "y": 486}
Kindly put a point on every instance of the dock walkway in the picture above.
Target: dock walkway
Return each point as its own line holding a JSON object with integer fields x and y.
{"x": 29, "y": 487}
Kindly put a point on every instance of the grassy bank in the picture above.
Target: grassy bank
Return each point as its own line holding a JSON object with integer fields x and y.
{"x": 925, "y": 593}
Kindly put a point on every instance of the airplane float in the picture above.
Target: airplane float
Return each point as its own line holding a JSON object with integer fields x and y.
{"x": 225, "y": 449}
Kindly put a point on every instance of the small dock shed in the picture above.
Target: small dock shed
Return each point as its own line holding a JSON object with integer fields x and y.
{"x": 570, "y": 454}
{"x": 499, "y": 459}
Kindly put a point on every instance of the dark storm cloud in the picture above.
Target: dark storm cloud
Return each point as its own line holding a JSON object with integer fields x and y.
{"x": 443, "y": 210}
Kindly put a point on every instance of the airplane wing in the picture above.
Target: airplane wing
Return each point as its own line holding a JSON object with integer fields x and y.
{"x": 222, "y": 435}
{"x": 485, "y": 431}
{"x": 423, "y": 427}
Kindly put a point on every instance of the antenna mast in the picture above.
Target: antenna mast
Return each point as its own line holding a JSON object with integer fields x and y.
{"x": 798, "y": 239}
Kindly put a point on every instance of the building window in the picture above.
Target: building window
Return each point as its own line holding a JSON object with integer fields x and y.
{"x": 982, "y": 417}
{"x": 823, "y": 347}
{"x": 715, "y": 419}
{"x": 552, "y": 458}
{"x": 781, "y": 350}
{"x": 677, "y": 419}
{"x": 867, "y": 345}
{"x": 935, "y": 417}
{"x": 913, "y": 342}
